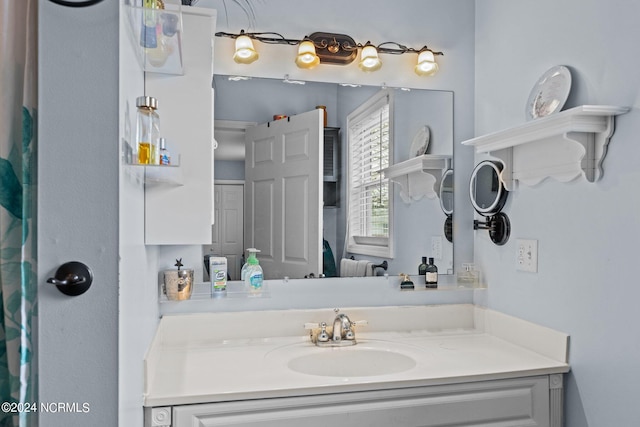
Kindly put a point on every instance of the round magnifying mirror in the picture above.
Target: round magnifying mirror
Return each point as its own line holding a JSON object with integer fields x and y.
{"x": 446, "y": 192}
{"x": 487, "y": 192}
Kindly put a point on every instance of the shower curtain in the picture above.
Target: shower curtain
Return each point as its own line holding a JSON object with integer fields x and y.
{"x": 18, "y": 98}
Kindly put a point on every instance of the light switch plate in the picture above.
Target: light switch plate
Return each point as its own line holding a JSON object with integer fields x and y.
{"x": 527, "y": 255}
{"x": 436, "y": 247}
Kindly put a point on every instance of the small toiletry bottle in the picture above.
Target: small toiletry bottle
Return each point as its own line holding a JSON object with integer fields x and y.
{"x": 147, "y": 130}
{"x": 422, "y": 268}
{"x": 253, "y": 275}
{"x": 148, "y": 31}
{"x": 165, "y": 156}
{"x": 469, "y": 275}
{"x": 431, "y": 275}
{"x": 218, "y": 273}
{"x": 406, "y": 282}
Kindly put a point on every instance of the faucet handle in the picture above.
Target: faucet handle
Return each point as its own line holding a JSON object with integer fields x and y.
{"x": 323, "y": 336}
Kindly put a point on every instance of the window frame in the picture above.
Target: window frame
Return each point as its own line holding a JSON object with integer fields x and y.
{"x": 375, "y": 246}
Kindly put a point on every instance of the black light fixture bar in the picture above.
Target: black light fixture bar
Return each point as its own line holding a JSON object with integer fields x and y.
{"x": 325, "y": 41}
{"x": 331, "y": 48}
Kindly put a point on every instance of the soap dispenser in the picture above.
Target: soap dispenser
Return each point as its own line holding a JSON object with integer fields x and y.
{"x": 253, "y": 274}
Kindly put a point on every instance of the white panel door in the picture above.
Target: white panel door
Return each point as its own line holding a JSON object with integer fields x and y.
{"x": 227, "y": 230}
{"x": 283, "y": 195}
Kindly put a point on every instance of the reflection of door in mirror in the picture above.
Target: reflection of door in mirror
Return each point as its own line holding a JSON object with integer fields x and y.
{"x": 227, "y": 229}
{"x": 283, "y": 195}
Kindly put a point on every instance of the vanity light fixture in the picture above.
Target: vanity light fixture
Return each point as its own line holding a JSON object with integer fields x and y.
{"x": 427, "y": 65}
{"x": 330, "y": 48}
{"x": 245, "y": 53}
{"x": 369, "y": 59}
{"x": 307, "y": 57}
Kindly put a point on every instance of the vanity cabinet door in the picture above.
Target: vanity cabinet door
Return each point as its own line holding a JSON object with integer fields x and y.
{"x": 517, "y": 402}
{"x": 181, "y": 213}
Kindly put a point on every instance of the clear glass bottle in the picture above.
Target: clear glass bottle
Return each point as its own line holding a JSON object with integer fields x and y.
{"x": 147, "y": 131}
{"x": 431, "y": 275}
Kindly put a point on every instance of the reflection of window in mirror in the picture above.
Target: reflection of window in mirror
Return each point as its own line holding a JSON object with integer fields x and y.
{"x": 370, "y": 144}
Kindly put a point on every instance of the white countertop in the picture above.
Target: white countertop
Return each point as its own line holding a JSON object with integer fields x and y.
{"x": 217, "y": 357}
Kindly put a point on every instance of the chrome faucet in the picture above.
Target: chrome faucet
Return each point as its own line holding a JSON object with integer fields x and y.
{"x": 342, "y": 333}
{"x": 342, "y": 328}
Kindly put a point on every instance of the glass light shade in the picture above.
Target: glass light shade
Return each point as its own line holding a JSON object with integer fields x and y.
{"x": 245, "y": 53}
{"x": 307, "y": 57}
{"x": 369, "y": 60}
{"x": 427, "y": 65}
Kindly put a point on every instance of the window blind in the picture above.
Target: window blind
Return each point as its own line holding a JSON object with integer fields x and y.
{"x": 369, "y": 154}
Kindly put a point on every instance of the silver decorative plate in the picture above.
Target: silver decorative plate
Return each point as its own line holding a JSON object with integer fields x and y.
{"x": 549, "y": 93}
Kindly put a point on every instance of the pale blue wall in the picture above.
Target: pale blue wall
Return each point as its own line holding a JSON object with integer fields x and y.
{"x": 588, "y": 233}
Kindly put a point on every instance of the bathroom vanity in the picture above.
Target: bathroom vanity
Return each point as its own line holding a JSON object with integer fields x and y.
{"x": 437, "y": 365}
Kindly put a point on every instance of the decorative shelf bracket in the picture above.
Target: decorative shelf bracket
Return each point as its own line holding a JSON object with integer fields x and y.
{"x": 562, "y": 146}
{"x": 420, "y": 176}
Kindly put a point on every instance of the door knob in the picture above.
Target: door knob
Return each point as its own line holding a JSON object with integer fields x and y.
{"x": 72, "y": 278}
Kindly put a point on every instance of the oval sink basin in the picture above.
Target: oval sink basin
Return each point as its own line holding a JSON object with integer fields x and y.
{"x": 351, "y": 362}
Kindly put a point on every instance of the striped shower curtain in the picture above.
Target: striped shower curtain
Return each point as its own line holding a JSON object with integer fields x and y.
{"x": 18, "y": 98}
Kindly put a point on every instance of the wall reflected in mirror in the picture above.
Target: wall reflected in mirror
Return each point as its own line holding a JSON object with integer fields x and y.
{"x": 419, "y": 230}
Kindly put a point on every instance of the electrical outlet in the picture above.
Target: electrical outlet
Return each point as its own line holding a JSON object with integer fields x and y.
{"x": 527, "y": 255}
{"x": 436, "y": 247}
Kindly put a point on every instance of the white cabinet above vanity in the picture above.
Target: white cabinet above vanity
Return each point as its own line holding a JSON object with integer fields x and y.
{"x": 452, "y": 365}
{"x": 178, "y": 200}
{"x": 183, "y": 214}
{"x": 562, "y": 146}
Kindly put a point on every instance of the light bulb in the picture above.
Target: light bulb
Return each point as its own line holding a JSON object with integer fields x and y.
{"x": 369, "y": 60}
{"x": 427, "y": 65}
{"x": 245, "y": 53}
{"x": 307, "y": 57}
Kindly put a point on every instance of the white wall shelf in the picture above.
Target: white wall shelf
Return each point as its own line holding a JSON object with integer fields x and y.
{"x": 562, "y": 146}
{"x": 420, "y": 176}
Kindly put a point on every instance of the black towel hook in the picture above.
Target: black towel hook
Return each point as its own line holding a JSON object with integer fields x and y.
{"x": 72, "y": 278}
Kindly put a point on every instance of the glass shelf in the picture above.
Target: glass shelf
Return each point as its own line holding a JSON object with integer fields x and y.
{"x": 235, "y": 289}
{"x": 161, "y": 174}
{"x": 159, "y": 50}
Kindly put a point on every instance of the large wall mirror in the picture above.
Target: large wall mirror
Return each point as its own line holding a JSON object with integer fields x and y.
{"x": 242, "y": 103}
